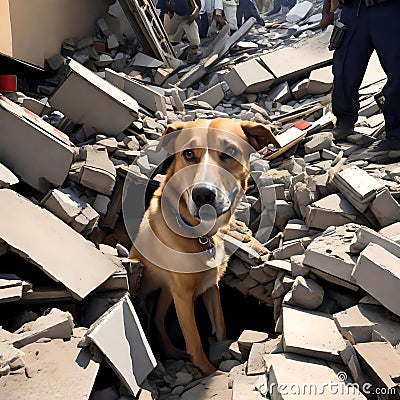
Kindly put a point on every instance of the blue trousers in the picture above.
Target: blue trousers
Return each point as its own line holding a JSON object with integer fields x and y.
{"x": 368, "y": 28}
{"x": 247, "y": 9}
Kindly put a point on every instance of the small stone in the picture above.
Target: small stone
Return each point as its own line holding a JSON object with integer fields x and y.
{"x": 178, "y": 390}
{"x": 182, "y": 379}
{"x": 227, "y": 365}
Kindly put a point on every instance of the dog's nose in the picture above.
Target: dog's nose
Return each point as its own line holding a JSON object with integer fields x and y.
{"x": 202, "y": 194}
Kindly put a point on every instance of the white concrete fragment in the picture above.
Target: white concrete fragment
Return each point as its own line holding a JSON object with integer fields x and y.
{"x": 385, "y": 208}
{"x": 7, "y": 178}
{"x": 306, "y": 293}
{"x": 22, "y": 137}
{"x": 120, "y": 337}
{"x": 97, "y": 100}
{"x": 378, "y": 272}
{"x": 299, "y": 12}
{"x": 302, "y": 334}
{"x": 43, "y": 239}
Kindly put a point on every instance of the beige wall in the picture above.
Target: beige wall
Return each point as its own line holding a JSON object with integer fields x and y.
{"x": 33, "y": 30}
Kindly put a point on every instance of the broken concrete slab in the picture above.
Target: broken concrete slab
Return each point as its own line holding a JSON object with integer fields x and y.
{"x": 358, "y": 323}
{"x": 67, "y": 206}
{"x": 43, "y": 239}
{"x": 378, "y": 272}
{"x": 97, "y": 100}
{"x": 320, "y": 81}
{"x": 120, "y": 337}
{"x": 318, "y": 142}
{"x": 332, "y": 210}
{"x": 292, "y": 375}
{"x": 98, "y": 172}
{"x": 302, "y": 334}
{"x": 385, "y": 208}
{"x": 392, "y": 232}
{"x": 299, "y": 11}
{"x": 50, "y": 369}
{"x": 248, "y": 338}
{"x": 306, "y": 293}
{"x": 382, "y": 364}
{"x": 7, "y": 178}
{"x": 144, "y": 94}
{"x": 22, "y": 137}
{"x": 56, "y": 324}
{"x": 330, "y": 252}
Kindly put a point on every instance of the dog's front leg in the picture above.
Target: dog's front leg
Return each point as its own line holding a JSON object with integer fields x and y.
{"x": 212, "y": 301}
{"x": 184, "y": 306}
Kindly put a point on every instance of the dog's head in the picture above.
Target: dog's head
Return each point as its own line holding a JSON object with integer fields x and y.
{"x": 209, "y": 172}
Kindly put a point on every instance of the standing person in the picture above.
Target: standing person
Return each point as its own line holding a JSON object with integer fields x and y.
{"x": 247, "y": 9}
{"x": 179, "y": 19}
{"x": 210, "y": 16}
{"x": 370, "y": 25}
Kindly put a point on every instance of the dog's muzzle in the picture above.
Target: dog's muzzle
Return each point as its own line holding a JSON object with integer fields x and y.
{"x": 209, "y": 202}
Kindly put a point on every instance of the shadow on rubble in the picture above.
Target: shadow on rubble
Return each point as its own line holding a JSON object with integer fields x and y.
{"x": 240, "y": 313}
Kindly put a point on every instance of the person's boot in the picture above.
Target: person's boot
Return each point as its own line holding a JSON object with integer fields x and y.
{"x": 192, "y": 54}
{"x": 382, "y": 151}
{"x": 343, "y": 129}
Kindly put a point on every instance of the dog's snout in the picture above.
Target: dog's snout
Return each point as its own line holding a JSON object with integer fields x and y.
{"x": 202, "y": 194}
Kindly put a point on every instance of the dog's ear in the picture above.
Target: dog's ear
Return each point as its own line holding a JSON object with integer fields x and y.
{"x": 167, "y": 140}
{"x": 258, "y": 135}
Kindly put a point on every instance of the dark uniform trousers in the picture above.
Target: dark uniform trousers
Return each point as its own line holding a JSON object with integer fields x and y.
{"x": 368, "y": 28}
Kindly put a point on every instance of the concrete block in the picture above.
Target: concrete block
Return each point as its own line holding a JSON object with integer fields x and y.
{"x": 308, "y": 158}
{"x": 330, "y": 252}
{"x": 385, "y": 208}
{"x": 56, "y": 324}
{"x": 297, "y": 266}
{"x": 320, "y": 81}
{"x": 378, "y": 272}
{"x": 358, "y": 323}
{"x": 255, "y": 363}
{"x": 332, "y": 210}
{"x": 22, "y": 137}
{"x": 209, "y": 388}
{"x": 87, "y": 99}
{"x": 318, "y": 142}
{"x": 299, "y": 11}
{"x": 239, "y": 80}
{"x": 392, "y": 232}
{"x": 283, "y": 213}
{"x": 289, "y": 372}
{"x": 116, "y": 334}
{"x": 40, "y": 237}
{"x": 98, "y": 172}
{"x": 381, "y": 363}
{"x": 247, "y": 338}
{"x": 302, "y": 334}
{"x": 306, "y": 293}
{"x": 295, "y": 229}
{"x": 288, "y": 250}
{"x": 145, "y": 95}
{"x": 238, "y": 267}
{"x": 213, "y": 96}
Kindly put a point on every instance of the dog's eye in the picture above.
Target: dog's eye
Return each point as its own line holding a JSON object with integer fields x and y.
{"x": 189, "y": 155}
{"x": 229, "y": 153}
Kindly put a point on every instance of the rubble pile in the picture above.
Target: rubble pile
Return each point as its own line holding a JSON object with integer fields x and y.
{"x": 317, "y": 236}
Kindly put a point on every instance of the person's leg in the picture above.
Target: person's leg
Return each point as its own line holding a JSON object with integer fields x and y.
{"x": 350, "y": 61}
{"x": 240, "y": 12}
{"x": 230, "y": 15}
{"x": 202, "y": 22}
{"x": 385, "y": 31}
{"x": 276, "y": 8}
{"x": 192, "y": 34}
{"x": 174, "y": 27}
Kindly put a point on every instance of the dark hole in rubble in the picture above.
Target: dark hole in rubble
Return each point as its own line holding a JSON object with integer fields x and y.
{"x": 240, "y": 312}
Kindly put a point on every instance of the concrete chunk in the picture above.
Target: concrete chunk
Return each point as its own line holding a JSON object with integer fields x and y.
{"x": 385, "y": 208}
{"x": 43, "y": 239}
{"x": 306, "y": 293}
{"x": 382, "y": 363}
{"x": 54, "y": 325}
{"x": 320, "y": 81}
{"x": 248, "y": 338}
{"x": 378, "y": 272}
{"x": 299, "y": 12}
{"x": 318, "y": 142}
{"x": 120, "y": 337}
{"x": 302, "y": 334}
{"x": 292, "y": 377}
{"x": 330, "y": 252}
{"x": 357, "y": 324}
{"x": 97, "y": 100}
{"x": 22, "y": 137}
{"x": 98, "y": 172}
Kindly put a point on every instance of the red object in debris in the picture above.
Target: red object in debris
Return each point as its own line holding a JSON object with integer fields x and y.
{"x": 8, "y": 83}
{"x": 302, "y": 124}
{"x": 100, "y": 47}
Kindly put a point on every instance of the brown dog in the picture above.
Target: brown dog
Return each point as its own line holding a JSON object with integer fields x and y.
{"x": 179, "y": 241}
